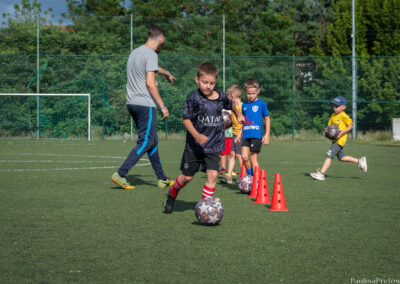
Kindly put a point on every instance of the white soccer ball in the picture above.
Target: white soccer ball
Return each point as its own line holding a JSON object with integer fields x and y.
{"x": 209, "y": 211}
{"x": 227, "y": 117}
{"x": 245, "y": 183}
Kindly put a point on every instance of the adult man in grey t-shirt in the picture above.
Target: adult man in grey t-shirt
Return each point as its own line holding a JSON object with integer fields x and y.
{"x": 142, "y": 98}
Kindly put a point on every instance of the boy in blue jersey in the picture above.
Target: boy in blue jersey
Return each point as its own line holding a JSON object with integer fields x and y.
{"x": 205, "y": 138}
{"x": 253, "y": 136}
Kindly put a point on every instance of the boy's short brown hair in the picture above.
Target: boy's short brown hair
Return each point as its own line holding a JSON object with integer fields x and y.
{"x": 235, "y": 90}
{"x": 207, "y": 69}
{"x": 251, "y": 83}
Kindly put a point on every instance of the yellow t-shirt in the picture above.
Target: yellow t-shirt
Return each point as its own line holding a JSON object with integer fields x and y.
{"x": 236, "y": 125}
{"x": 342, "y": 120}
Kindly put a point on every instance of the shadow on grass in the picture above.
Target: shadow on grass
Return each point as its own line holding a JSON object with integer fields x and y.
{"x": 241, "y": 193}
{"x": 333, "y": 177}
{"x": 181, "y": 205}
{"x": 204, "y": 225}
{"x": 344, "y": 177}
{"x": 231, "y": 186}
{"x": 135, "y": 180}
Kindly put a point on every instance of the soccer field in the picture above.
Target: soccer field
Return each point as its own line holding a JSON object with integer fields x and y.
{"x": 63, "y": 220}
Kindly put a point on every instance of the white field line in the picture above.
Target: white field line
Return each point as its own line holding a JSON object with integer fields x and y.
{"x": 49, "y": 161}
{"x": 65, "y": 155}
{"x": 66, "y": 161}
{"x": 69, "y": 169}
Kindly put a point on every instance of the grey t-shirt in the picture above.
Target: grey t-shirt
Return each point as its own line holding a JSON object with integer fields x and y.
{"x": 141, "y": 60}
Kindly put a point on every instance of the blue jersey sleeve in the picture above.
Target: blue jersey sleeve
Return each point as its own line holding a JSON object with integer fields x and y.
{"x": 264, "y": 109}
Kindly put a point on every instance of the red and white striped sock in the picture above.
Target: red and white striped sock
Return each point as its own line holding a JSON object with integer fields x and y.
{"x": 207, "y": 192}
{"x": 173, "y": 191}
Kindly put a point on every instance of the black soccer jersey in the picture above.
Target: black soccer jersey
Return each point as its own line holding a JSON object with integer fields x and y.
{"x": 206, "y": 116}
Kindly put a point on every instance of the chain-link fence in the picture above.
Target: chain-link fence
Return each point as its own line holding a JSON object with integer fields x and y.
{"x": 298, "y": 90}
{"x": 113, "y": 36}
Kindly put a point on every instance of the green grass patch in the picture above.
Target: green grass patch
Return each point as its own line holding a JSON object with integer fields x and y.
{"x": 63, "y": 220}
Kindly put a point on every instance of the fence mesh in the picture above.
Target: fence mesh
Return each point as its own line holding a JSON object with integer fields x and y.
{"x": 59, "y": 116}
{"x": 90, "y": 57}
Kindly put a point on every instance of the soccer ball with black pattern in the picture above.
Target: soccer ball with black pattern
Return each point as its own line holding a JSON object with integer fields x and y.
{"x": 209, "y": 211}
{"x": 226, "y": 116}
{"x": 245, "y": 183}
{"x": 332, "y": 132}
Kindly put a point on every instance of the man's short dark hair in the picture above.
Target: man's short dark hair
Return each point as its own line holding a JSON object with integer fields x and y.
{"x": 155, "y": 32}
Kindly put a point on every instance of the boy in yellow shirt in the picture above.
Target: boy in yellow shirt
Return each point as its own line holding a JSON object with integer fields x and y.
{"x": 345, "y": 124}
{"x": 235, "y": 93}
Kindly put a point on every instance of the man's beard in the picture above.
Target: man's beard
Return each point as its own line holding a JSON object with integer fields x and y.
{"x": 159, "y": 48}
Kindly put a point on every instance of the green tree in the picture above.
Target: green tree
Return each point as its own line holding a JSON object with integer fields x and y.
{"x": 27, "y": 13}
{"x": 378, "y": 85}
{"x": 377, "y": 28}
{"x": 18, "y": 36}
{"x": 382, "y": 27}
{"x": 82, "y": 8}
{"x": 308, "y": 21}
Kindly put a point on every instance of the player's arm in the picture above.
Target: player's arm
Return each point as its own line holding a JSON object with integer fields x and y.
{"x": 167, "y": 74}
{"x": 153, "y": 90}
{"x": 239, "y": 116}
{"x": 265, "y": 139}
{"x": 200, "y": 138}
{"x": 342, "y": 132}
{"x": 239, "y": 136}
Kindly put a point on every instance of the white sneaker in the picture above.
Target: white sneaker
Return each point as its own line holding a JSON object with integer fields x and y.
{"x": 318, "y": 175}
{"x": 362, "y": 164}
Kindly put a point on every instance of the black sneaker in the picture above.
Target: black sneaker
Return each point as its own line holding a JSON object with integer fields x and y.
{"x": 169, "y": 204}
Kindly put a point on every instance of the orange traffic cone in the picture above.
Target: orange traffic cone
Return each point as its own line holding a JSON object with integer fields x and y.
{"x": 262, "y": 192}
{"x": 256, "y": 179}
{"x": 243, "y": 171}
{"x": 278, "y": 199}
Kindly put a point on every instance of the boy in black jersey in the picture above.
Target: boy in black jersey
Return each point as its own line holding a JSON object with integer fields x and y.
{"x": 205, "y": 138}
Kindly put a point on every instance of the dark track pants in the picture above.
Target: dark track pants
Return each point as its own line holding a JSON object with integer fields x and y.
{"x": 145, "y": 119}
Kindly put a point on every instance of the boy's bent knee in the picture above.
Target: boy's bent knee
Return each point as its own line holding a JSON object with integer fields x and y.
{"x": 187, "y": 179}
{"x": 330, "y": 154}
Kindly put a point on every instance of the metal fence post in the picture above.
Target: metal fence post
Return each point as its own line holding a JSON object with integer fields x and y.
{"x": 103, "y": 91}
{"x": 129, "y": 52}
{"x": 293, "y": 90}
{"x": 37, "y": 77}
{"x": 230, "y": 70}
{"x": 354, "y": 72}
{"x": 223, "y": 52}
{"x": 166, "y": 100}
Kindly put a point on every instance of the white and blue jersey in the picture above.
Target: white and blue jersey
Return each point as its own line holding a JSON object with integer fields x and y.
{"x": 254, "y": 113}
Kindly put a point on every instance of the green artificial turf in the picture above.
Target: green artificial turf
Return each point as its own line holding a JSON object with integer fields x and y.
{"x": 63, "y": 220}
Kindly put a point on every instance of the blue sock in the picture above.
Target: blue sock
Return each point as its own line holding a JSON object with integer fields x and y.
{"x": 250, "y": 172}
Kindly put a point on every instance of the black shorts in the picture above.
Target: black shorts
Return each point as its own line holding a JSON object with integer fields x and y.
{"x": 191, "y": 162}
{"x": 254, "y": 144}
